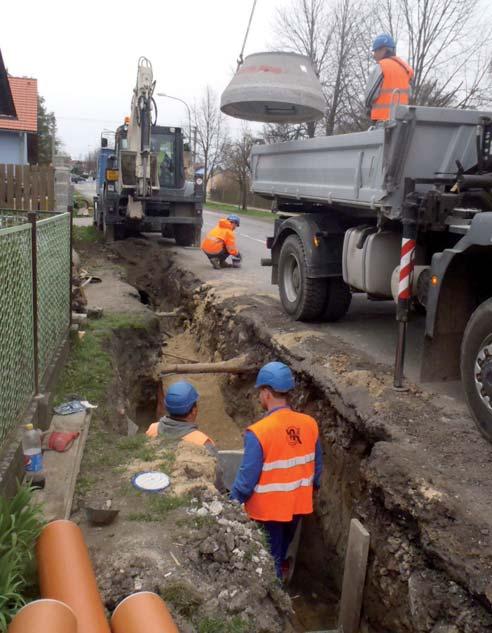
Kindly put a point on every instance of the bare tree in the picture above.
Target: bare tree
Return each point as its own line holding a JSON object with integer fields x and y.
{"x": 328, "y": 33}
{"x": 305, "y": 28}
{"x": 211, "y": 134}
{"x": 445, "y": 45}
{"x": 237, "y": 162}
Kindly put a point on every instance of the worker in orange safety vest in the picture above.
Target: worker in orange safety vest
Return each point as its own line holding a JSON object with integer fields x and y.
{"x": 390, "y": 81}
{"x": 282, "y": 464}
{"x": 181, "y": 403}
{"x": 220, "y": 243}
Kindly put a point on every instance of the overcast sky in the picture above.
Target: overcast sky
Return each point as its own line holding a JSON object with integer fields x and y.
{"x": 84, "y": 54}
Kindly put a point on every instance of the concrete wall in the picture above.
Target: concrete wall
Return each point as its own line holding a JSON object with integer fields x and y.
{"x": 13, "y": 147}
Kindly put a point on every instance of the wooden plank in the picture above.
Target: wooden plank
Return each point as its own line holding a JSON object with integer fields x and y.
{"x": 10, "y": 187}
{"x": 18, "y": 186}
{"x": 354, "y": 577}
{"x": 76, "y": 466}
{"x": 43, "y": 189}
{"x": 3, "y": 186}
{"x": 62, "y": 468}
{"x": 26, "y": 198}
{"x": 34, "y": 188}
{"x": 51, "y": 189}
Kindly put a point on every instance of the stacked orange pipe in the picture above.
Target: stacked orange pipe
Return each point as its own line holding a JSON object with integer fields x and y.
{"x": 142, "y": 612}
{"x": 44, "y": 616}
{"x": 66, "y": 574}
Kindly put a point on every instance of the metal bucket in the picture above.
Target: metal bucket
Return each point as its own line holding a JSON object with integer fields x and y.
{"x": 274, "y": 87}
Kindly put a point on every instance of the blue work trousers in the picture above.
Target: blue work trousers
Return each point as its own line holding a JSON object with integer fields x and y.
{"x": 280, "y": 535}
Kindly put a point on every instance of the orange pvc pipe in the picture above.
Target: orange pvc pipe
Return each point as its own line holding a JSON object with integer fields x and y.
{"x": 142, "y": 612}
{"x": 66, "y": 574}
{"x": 44, "y": 616}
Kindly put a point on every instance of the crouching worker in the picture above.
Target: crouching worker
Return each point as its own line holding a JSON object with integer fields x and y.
{"x": 220, "y": 243}
{"x": 282, "y": 464}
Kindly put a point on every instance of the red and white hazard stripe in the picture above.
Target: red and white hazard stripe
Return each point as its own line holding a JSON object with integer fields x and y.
{"x": 407, "y": 257}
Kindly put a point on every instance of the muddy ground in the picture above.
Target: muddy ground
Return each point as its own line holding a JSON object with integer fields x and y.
{"x": 411, "y": 469}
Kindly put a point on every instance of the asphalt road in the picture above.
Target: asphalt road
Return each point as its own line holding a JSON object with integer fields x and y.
{"x": 369, "y": 326}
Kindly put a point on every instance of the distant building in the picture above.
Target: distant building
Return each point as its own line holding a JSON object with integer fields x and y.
{"x": 18, "y": 117}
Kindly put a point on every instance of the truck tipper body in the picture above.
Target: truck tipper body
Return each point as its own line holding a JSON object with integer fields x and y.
{"x": 402, "y": 211}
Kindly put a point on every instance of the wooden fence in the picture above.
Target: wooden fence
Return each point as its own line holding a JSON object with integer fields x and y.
{"x": 27, "y": 187}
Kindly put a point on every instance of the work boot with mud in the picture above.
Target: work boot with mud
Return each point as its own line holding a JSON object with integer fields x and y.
{"x": 225, "y": 265}
{"x": 215, "y": 263}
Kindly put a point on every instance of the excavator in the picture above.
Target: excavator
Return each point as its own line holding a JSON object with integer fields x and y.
{"x": 142, "y": 185}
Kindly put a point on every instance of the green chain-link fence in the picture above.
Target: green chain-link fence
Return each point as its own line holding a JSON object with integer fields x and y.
{"x": 17, "y": 353}
{"x": 53, "y": 247}
{"x": 16, "y": 326}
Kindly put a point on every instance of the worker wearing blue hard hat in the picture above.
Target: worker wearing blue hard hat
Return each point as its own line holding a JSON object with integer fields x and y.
{"x": 389, "y": 83}
{"x": 181, "y": 403}
{"x": 282, "y": 464}
{"x": 220, "y": 243}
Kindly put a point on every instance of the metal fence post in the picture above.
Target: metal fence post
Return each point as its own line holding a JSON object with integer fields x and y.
{"x": 32, "y": 215}
{"x": 70, "y": 284}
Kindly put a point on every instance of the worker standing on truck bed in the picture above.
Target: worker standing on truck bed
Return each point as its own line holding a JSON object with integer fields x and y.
{"x": 390, "y": 73}
{"x": 220, "y": 243}
{"x": 282, "y": 463}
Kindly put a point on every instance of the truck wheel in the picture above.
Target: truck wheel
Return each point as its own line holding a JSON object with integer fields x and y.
{"x": 302, "y": 297}
{"x": 338, "y": 299}
{"x": 184, "y": 234}
{"x": 476, "y": 367}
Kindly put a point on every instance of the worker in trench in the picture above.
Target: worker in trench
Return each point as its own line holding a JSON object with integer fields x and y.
{"x": 282, "y": 464}
{"x": 390, "y": 81}
{"x": 181, "y": 404}
{"x": 220, "y": 243}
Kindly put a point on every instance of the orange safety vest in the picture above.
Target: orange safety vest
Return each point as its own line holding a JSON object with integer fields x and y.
{"x": 195, "y": 437}
{"x": 220, "y": 237}
{"x": 285, "y": 488}
{"x": 396, "y": 76}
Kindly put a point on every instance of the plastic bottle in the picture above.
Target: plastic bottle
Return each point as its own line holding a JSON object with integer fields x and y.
{"x": 33, "y": 455}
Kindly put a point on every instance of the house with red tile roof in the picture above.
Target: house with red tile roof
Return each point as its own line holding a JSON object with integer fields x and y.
{"x": 18, "y": 127}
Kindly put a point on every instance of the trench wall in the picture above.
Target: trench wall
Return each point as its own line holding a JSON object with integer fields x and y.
{"x": 412, "y": 585}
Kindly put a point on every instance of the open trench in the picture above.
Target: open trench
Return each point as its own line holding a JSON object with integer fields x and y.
{"x": 226, "y": 406}
{"x": 407, "y": 590}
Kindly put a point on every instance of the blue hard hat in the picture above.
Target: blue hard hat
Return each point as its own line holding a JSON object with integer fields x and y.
{"x": 180, "y": 398}
{"x": 385, "y": 39}
{"x": 277, "y": 376}
{"x": 234, "y": 218}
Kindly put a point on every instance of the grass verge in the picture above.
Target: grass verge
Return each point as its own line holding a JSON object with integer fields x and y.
{"x": 231, "y": 208}
{"x": 158, "y": 507}
{"x": 86, "y": 235}
{"x": 216, "y": 625}
{"x": 88, "y": 372}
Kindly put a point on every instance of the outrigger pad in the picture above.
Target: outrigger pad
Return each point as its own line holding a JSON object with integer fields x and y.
{"x": 274, "y": 87}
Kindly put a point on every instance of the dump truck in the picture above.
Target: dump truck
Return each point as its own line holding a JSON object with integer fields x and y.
{"x": 144, "y": 185}
{"x": 404, "y": 212}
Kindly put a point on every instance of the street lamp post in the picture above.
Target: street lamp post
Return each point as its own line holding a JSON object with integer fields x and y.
{"x": 162, "y": 94}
